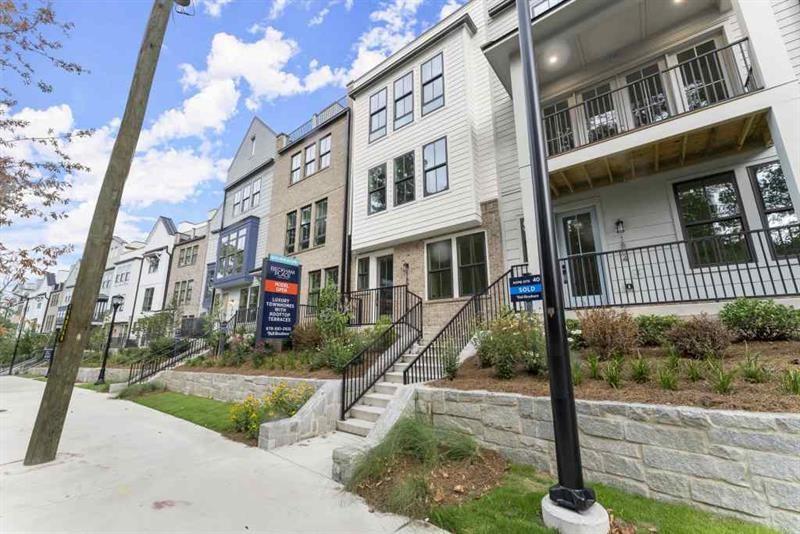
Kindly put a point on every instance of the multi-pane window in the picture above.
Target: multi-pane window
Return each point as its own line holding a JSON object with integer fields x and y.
{"x": 377, "y": 189}
{"x": 325, "y": 152}
{"x": 183, "y": 292}
{"x": 320, "y": 221}
{"x": 777, "y": 212}
{"x": 296, "y": 172}
{"x": 432, "y": 84}
{"x": 440, "y": 270}
{"x": 434, "y": 163}
{"x": 404, "y": 100}
{"x": 472, "y": 275}
{"x": 332, "y": 276}
{"x": 713, "y": 224}
{"x": 305, "y": 227}
{"x": 701, "y": 73}
{"x": 152, "y": 264}
{"x": 404, "y": 179}
{"x": 245, "y": 197}
{"x": 188, "y": 255}
{"x": 291, "y": 231}
{"x": 377, "y": 115}
{"x": 601, "y": 117}
{"x": 147, "y": 301}
{"x": 648, "y": 100}
{"x": 256, "y": 192}
{"x": 362, "y": 278}
{"x": 231, "y": 253}
{"x": 237, "y": 202}
{"x": 209, "y": 289}
{"x": 557, "y": 128}
{"x": 311, "y": 159}
{"x": 314, "y": 284}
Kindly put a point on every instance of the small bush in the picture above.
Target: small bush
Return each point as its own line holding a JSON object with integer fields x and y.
{"x": 721, "y": 380}
{"x": 752, "y": 369}
{"x": 594, "y": 366}
{"x": 693, "y": 371}
{"x": 535, "y": 362}
{"x": 667, "y": 378}
{"x": 410, "y": 497}
{"x": 338, "y": 353}
{"x": 451, "y": 363}
{"x": 247, "y": 415}
{"x": 510, "y": 339}
{"x": 575, "y": 334}
{"x": 699, "y": 337}
{"x": 652, "y": 328}
{"x": 613, "y": 373}
{"x": 281, "y": 401}
{"x": 306, "y": 336}
{"x": 137, "y": 390}
{"x": 161, "y": 346}
{"x": 763, "y": 320}
{"x": 640, "y": 370}
{"x": 505, "y": 365}
{"x": 790, "y": 381}
{"x": 577, "y": 373}
{"x": 608, "y": 332}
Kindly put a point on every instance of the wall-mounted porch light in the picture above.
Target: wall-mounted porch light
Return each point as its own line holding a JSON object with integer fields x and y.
{"x": 620, "y": 226}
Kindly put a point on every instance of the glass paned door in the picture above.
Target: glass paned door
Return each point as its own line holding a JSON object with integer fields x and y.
{"x": 557, "y": 128}
{"x": 385, "y": 282}
{"x": 648, "y": 100}
{"x": 601, "y": 117}
{"x": 581, "y": 267}
{"x": 703, "y": 80}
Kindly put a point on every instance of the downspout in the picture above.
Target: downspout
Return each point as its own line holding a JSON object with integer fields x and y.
{"x": 135, "y": 296}
{"x": 166, "y": 282}
{"x": 46, "y": 307}
{"x": 345, "y": 281}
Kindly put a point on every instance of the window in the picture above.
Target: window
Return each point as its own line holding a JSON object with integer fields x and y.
{"x": 183, "y": 292}
{"x": 147, "y": 302}
{"x": 245, "y": 198}
{"x": 332, "y": 276}
{"x": 777, "y": 212}
{"x": 305, "y": 227}
{"x": 237, "y": 202}
{"x": 472, "y": 276}
{"x": 524, "y": 237}
{"x": 182, "y": 257}
{"x": 377, "y": 115}
{"x": 254, "y": 200}
{"x": 703, "y": 82}
{"x": 296, "y": 174}
{"x": 434, "y": 164}
{"x": 362, "y": 277}
{"x": 404, "y": 179}
{"x": 209, "y": 289}
{"x": 314, "y": 284}
{"x": 152, "y": 266}
{"x": 325, "y": 152}
{"x": 311, "y": 159}
{"x": 601, "y": 118}
{"x": 711, "y": 215}
{"x": 440, "y": 270}
{"x": 377, "y": 189}
{"x": 432, "y": 84}
{"x": 557, "y": 128}
{"x": 188, "y": 256}
{"x": 253, "y": 146}
{"x": 291, "y": 231}
{"x": 231, "y": 253}
{"x": 404, "y": 100}
{"x": 193, "y": 254}
{"x": 648, "y": 100}
{"x": 321, "y": 221}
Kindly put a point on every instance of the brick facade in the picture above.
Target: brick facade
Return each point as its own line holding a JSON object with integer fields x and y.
{"x": 195, "y": 272}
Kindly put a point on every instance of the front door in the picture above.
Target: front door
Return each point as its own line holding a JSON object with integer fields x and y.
{"x": 580, "y": 265}
{"x": 385, "y": 282}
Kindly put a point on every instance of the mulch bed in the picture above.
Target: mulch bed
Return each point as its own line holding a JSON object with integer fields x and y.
{"x": 453, "y": 482}
{"x": 248, "y": 369}
{"x": 766, "y": 397}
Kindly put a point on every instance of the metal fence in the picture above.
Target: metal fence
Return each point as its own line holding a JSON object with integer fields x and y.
{"x": 183, "y": 349}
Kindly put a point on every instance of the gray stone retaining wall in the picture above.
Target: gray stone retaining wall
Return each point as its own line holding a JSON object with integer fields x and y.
{"x": 89, "y": 374}
{"x": 737, "y": 463}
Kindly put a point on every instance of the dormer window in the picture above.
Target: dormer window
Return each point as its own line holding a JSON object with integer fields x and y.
{"x": 252, "y": 146}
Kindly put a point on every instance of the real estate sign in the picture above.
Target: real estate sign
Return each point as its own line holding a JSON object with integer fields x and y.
{"x": 526, "y": 288}
{"x": 280, "y": 287}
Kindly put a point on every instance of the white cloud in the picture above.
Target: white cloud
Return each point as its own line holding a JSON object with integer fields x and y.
{"x": 214, "y": 7}
{"x": 319, "y": 18}
{"x": 449, "y": 7}
{"x": 277, "y": 8}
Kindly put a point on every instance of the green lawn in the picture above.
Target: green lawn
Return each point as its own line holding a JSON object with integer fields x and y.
{"x": 515, "y": 507}
{"x": 210, "y": 413}
{"x": 101, "y": 388}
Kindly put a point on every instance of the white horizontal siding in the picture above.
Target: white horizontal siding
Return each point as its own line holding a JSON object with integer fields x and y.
{"x": 787, "y": 14}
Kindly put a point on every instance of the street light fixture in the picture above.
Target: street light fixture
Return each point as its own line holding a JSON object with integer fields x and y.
{"x": 116, "y": 302}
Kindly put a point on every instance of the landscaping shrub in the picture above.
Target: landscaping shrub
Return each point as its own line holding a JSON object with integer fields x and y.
{"x": 509, "y": 340}
{"x": 575, "y": 334}
{"x": 338, "y": 353}
{"x": 577, "y": 373}
{"x": 451, "y": 363}
{"x": 753, "y": 370}
{"x": 535, "y": 361}
{"x": 286, "y": 400}
{"x": 247, "y": 415}
{"x": 613, "y": 373}
{"x": 721, "y": 380}
{"x": 693, "y": 371}
{"x": 608, "y": 332}
{"x": 699, "y": 337}
{"x": 331, "y": 320}
{"x": 280, "y": 402}
{"x": 668, "y": 378}
{"x": 791, "y": 381}
{"x": 160, "y": 346}
{"x": 306, "y": 336}
{"x": 762, "y": 320}
{"x": 652, "y": 328}
{"x": 594, "y": 366}
{"x": 258, "y": 355}
{"x": 239, "y": 348}
{"x": 640, "y": 370}
{"x": 137, "y": 390}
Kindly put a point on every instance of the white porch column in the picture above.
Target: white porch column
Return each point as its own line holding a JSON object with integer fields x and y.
{"x": 771, "y": 60}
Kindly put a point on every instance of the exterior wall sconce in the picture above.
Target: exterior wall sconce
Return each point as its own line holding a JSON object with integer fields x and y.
{"x": 620, "y": 226}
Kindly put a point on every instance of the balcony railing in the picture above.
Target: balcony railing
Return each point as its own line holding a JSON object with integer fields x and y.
{"x": 759, "y": 263}
{"x": 702, "y": 81}
{"x": 317, "y": 120}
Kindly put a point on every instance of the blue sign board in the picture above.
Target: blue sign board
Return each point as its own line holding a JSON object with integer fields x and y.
{"x": 280, "y": 286}
{"x": 526, "y": 288}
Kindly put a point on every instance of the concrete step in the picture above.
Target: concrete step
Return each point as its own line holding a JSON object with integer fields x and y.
{"x": 377, "y": 400}
{"x": 386, "y": 388}
{"x": 400, "y": 367}
{"x": 358, "y": 427}
{"x": 394, "y": 377}
{"x": 366, "y": 413}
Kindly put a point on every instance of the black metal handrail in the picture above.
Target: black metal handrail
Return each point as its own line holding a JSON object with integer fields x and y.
{"x": 330, "y": 111}
{"x": 22, "y": 365}
{"x": 367, "y": 367}
{"x": 367, "y": 306}
{"x": 705, "y": 80}
{"x": 180, "y": 351}
{"x": 459, "y": 331}
{"x": 756, "y": 263}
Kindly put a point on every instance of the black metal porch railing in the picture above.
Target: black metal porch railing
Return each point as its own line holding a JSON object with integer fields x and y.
{"x": 367, "y": 306}
{"x": 182, "y": 349}
{"x": 758, "y": 263}
{"x": 317, "y": 120}
{"x": 22, "y": 365}
{"x": 369, "y": 365}
{"x": 459, "y": 331}
{"x": 702, "y": 81}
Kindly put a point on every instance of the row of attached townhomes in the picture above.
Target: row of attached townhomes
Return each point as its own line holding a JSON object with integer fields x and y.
{"x": 672, "y": 133}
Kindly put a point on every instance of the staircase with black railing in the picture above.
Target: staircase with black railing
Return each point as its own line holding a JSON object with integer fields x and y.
{"x": 429, "y": 363}
{"x": 365, "y": 390}
{"x": 182, "y": 350}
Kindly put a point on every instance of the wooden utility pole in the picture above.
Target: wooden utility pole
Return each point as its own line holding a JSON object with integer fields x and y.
{"x": 46, "y": 435}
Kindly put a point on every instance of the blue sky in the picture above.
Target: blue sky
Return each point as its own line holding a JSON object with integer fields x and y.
{"x": 278, "y": 59}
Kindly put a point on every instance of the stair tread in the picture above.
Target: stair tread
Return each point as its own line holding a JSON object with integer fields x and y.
{"x": 366, "y": 408}
{"x": 358, "y": 422}
{"x": 384, "y": 396}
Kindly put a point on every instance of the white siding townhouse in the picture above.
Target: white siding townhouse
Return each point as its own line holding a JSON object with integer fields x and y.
{"x": 33, "y": 297}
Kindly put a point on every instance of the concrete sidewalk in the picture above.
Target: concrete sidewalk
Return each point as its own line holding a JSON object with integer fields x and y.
{"x": 123, "y": 467}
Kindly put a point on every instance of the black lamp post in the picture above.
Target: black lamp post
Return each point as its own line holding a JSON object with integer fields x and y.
{"x": 19, "y": 333}
{"x": 116, "y": 302}
{"x": 570, "y": 492}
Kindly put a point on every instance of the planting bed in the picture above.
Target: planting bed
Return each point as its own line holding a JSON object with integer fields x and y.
{"x": 248, "y": 369}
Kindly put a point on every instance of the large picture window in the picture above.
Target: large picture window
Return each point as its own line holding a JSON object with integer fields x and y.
{"x": 320, "y": 221}
{"x": 404, "y": 179}
{"x": 432, "y": 84}
{"x": 231, "y": 253}
{"x": 713, "y": 225}
{"x": 440, "y": 270}
{"x": 305, "y": 227}
{"x": 404, "y": 100}
{"x": 472, "y": 276}
{"x": 777, "y": 212}
{"x": 291, "y": 232}
{"x": 434, "y": 163}
{"x": 377, "y": 115}
{"x": 377, "y": 189}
